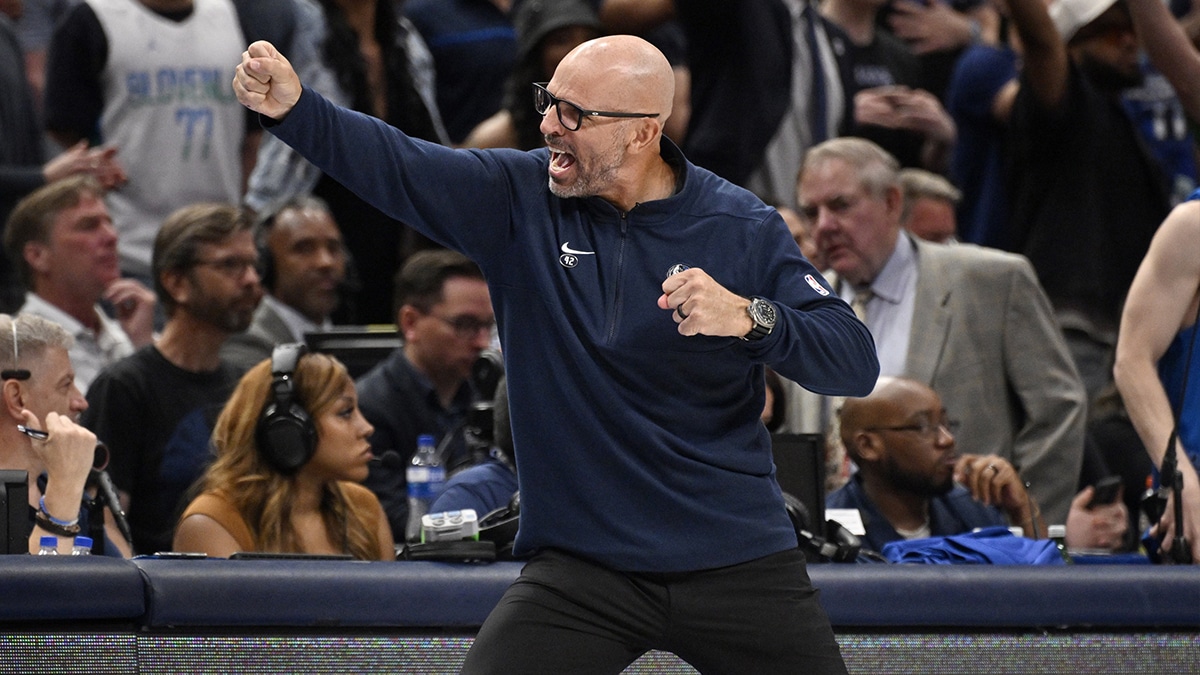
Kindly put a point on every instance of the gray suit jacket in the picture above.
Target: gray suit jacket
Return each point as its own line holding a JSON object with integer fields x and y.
{"x": 267, "y": 329}
{"x": 984, "y": 337}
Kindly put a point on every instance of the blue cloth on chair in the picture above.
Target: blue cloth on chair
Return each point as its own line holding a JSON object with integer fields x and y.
{"x": 990, "y": 546}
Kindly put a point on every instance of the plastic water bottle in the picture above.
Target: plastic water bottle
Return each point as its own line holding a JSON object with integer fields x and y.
{"x": 82, "y": 546}
{"x": 49, "y": 545}
{"x": 426, "y": 477}
{"x": 1058, "y": 533}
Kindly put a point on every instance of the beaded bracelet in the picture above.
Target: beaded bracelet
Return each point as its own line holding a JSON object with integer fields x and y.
{"x": 44, "y": 522}
{"x": 56, "y": 521}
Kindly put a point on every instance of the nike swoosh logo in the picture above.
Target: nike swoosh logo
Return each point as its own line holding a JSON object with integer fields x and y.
{"x": 566, "y": 248}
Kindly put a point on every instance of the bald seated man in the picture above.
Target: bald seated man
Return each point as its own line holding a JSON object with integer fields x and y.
{"x": 911, "y": 482}
{"x": 638, "y": 300}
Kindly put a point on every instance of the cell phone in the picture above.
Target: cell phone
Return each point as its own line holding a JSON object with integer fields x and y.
{"x": 263, "y": 555}
{"x": 1106, "y": 491}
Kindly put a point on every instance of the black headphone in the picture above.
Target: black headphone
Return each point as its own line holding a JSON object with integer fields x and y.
{"x": 286, "y": 435}
{"x": 266, "y": 261}
{"x": 838, "y": 545}
{"x": 266, "y": 266}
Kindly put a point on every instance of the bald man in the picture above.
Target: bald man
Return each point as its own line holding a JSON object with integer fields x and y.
{"x": 638, "y": 299}
{"x": 912, "y": 483}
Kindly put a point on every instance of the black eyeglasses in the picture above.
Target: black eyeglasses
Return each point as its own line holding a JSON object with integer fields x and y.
{"x": 570, "y": 116}
{"x": 926, "y": 429}
{"x": 232, "y": 266}
{"x": 466, "y": 327}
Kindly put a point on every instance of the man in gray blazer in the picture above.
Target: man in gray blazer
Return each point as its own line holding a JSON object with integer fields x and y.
{"x": 303, "y": 264}
{"x": 973, "y": 323}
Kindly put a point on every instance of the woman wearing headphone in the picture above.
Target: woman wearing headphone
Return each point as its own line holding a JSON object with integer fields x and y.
{"x": 291, "y": 449}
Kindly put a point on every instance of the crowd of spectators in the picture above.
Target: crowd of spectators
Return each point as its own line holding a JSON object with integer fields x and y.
{"x": 980, "y": 180}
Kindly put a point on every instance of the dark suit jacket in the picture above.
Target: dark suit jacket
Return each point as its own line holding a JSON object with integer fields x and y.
{"x": 266, "y": 330}
{"x": 740, "y": 56}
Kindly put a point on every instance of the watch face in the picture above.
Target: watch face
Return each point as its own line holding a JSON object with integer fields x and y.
{"x": 764, "y": 312}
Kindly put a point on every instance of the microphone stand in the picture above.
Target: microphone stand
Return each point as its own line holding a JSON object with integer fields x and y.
{"x": 1172, "y": 479}
{"x": 95, "y": 509}
{"x": 443, "y": 447}
{"x": 1181, "y": 552}
{"x": 106, "y": 495}
{"x": 475, "y": 428}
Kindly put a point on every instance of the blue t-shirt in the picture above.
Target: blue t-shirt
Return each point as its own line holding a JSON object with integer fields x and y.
{"x": 484, "y": 488}
{"x": 1159, "y": 116}
{"x": 474, "y": 47}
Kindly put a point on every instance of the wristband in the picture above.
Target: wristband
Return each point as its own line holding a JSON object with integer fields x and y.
{"x": 56, "y": 521}
{"x": 43, "y": 521}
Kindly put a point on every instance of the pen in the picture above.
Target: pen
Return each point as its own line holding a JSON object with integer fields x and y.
{"x": 33, "y": 433}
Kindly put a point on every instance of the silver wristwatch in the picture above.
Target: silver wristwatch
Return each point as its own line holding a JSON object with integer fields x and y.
{"x": 763, "y": 314}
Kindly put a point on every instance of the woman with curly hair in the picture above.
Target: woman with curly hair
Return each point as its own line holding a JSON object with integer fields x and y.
{"x": 305, "y": 498}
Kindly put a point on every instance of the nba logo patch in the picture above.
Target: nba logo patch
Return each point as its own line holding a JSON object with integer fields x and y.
{"x": 816, "y": 285}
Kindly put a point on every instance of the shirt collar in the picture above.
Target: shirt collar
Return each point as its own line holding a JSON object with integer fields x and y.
{"x": 36, "y": 304}
{"x": 110, "y": 331}
{"x": 890, "y": 284}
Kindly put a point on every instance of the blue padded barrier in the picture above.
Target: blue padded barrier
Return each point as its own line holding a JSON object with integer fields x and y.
{"x": 431, "y": 594}
{"x": 69, "y": 588}
{"x": 309, "y": 594}
{"x": 325, "y": 593}
{"x": 1009, "y": 595}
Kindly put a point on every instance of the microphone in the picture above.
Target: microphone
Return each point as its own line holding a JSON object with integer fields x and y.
{"x": 100, "y": 459}
{"x": 108, "y": 492}
{"x": 388, "y": 460}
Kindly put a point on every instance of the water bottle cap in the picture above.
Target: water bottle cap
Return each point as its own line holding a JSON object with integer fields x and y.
{"x": 425, "y": 439}
{"x": 50, "y": 540}
{"x": 83, "y": 541}
{"x": 1056, "y": 531}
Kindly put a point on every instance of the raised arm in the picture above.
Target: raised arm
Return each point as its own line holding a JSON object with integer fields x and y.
{"x": 1170, "y": 50}
{"x": 1046, "y": 66}
{"x": 67, "y": 454}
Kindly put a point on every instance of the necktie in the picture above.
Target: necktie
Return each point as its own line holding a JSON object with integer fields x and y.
{"x": 835, "y": 451}
{"x": 817, "y": 106}
{"x": 859, "y": 303}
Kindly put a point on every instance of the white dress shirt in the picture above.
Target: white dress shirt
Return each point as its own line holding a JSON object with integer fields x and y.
{"x": 92, "y": 351}
{"x": 890, "y": 309}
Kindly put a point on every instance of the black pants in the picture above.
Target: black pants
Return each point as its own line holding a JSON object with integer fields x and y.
{"x": 568, "y": 615}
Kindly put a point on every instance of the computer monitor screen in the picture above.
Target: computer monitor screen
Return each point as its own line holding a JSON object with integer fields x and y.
{"x": 800, "y": 470}
{"x": 358, "y": 347}
{"x": 14, "y": 511}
